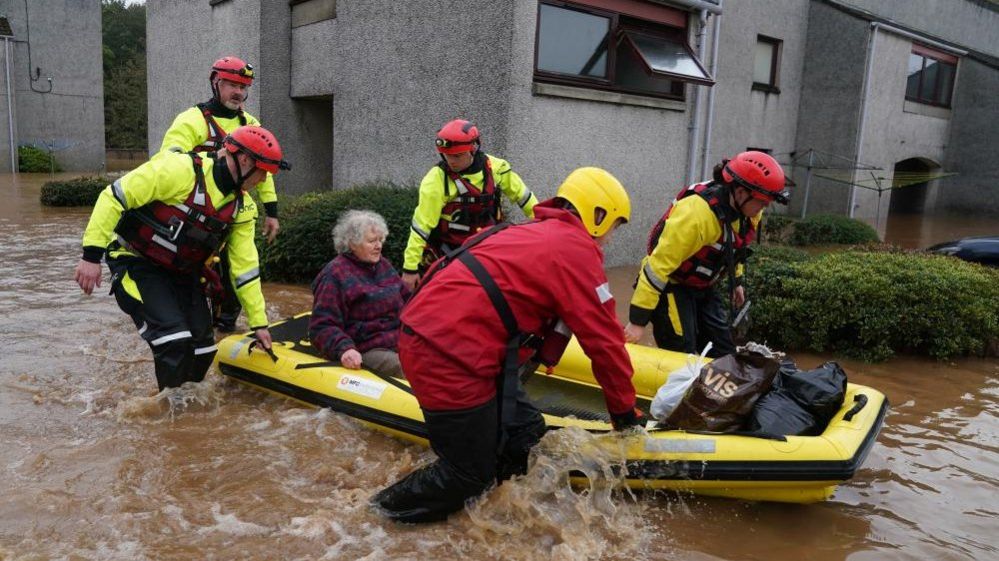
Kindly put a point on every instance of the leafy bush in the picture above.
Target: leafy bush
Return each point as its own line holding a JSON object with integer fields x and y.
{"x": 35, "y": 160}
{"x": 872, "y": 305}
{"x": 832, "y": 229}
{"x": 776, "y": 227}
{"x": 305, "y": 243}
{"x": 82, "y": 191}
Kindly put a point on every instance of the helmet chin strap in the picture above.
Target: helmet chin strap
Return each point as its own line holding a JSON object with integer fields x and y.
{"x": 240, "y": 178}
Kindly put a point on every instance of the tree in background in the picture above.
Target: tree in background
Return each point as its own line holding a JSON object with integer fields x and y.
{"x": 124, "y": 31}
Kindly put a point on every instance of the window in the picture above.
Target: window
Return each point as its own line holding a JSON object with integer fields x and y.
{"x": 766, "y": 64}
{"x": 931, "y": 76}
{"x": 620, "y": 45}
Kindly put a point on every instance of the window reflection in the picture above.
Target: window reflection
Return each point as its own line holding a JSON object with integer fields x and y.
{"x": 571, "y": 42}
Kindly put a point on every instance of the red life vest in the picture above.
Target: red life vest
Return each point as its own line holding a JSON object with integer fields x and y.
{"x": 703, "y": 269}
{"x": 182, "y": 237}
{"x": 471, "y": 211}
{"x": 216, "y": 134}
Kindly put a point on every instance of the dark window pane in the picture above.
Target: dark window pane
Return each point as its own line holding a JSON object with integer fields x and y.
{"x": 946, "y": 83}
{"x": 763, "y": 57}
{"x": 667, "y": 57}
{"x": 928, "y": 91}
{"x": 632, "y": 75}
{"x": 571, "y": 42}
{"x": 915, "y": 71}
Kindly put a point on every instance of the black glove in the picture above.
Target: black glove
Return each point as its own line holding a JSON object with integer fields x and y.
{"x": 628, "y": 419}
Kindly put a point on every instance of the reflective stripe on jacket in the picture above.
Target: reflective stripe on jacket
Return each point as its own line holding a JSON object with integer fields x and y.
{"x": 564, "y": 278}
{"x": 437, "y": 190}
{"x": 169, "y": 179}
{"x": 190, "y": 130}
{"x": 689, "y": 250}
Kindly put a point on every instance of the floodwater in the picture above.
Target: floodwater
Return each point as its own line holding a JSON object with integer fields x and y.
{"x": 914, "y": 231}
{"x": 98, "y": 466}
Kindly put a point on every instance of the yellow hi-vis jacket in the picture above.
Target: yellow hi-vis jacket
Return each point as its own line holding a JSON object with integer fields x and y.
{"x": 691, "y": 225}
{"x": 170, "y": 178}
{"x": 428, "y": 211}
{"x": 190, "y": 130}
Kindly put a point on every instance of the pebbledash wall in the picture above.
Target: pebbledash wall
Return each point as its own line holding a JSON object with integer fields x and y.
{"x": 356, "y": 90}
{"x": 65, "y": 114}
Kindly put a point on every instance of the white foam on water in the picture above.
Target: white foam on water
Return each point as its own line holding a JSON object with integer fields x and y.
{"x": 230, "y": 524}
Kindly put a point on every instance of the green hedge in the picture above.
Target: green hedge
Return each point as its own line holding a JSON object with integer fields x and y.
{"x": 832, "y": 229}
{"x": 82, "y": 191}
{"x": 305, "y": 243}
{"x": 776, "y": 227}
{"x": 873, "y": 304}
{"x": 35, "y": 160}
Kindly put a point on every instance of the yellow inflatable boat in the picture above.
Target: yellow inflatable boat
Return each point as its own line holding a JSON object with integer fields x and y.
{"x": 797, "y": 469}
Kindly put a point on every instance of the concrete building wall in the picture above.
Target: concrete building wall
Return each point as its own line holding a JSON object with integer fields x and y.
{"x": 971, "y": 150}
{"x": 750, "y": 118}
{"x": 973, "y": 24}
{"x": 304, "y": 126}
{"x": 396, "y": 72}
{"x": 549, "y": 136}
{"x": 183, "y": 39}
{"x": 894, "y": 130}
{"x": 65, "y": 43}
{"x": 832, "y": 83}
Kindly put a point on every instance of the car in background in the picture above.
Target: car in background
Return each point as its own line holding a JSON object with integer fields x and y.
{"x": 984, "y": 249}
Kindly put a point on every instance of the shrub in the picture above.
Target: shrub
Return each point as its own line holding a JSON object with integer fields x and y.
{"x": 776, "y": 227}
{"x": 35, "y": 160}
{"x": 305, "y": 243}
{"x": 82, "y": 191}
{"x": 832, "y": 229}
{"x": 872, "y": 305}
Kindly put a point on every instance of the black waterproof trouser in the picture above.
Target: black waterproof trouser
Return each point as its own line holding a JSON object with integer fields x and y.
{"x": 703, "y": 317}
{"x": 472, "y": 456}
{"x": 226, "y": 306}
{"x": 172, "y": 316}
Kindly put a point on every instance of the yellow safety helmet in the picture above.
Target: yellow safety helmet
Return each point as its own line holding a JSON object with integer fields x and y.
{"x": 599, "y": 198}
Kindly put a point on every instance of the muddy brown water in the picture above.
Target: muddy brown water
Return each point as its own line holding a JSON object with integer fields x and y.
{"x": 97, "y": 466}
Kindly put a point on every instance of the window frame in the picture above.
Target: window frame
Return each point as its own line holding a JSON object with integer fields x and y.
{"x": 616, "y": 30}
{"x": 941, "y": 58}
{"x": 777, "y": 48}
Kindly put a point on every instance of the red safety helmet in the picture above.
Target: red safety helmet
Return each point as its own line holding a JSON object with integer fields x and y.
{"x": 232, "y": 69}
{"x": 258, "y": 143}
{"x": 457, "y": 136}
{"x": 758, "y": 173}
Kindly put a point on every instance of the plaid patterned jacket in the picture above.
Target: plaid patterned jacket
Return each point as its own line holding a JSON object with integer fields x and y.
{"x": 356, "y": 305}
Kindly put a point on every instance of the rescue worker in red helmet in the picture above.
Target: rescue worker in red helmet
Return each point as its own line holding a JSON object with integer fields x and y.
{"x": 160, "y": 224}
{"x": 459, "y": 197}
{"x": 202, "y": 129}
{"x": 701, "y": 240}
{"x": 478, "y": 418}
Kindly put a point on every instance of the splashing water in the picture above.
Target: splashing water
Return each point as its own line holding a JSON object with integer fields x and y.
{"x": 543, "y": 507}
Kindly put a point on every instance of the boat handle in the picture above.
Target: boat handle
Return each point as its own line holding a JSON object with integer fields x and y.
{"x": 859, "y": 402}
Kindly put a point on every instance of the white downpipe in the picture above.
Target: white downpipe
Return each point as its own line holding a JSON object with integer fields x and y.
{"x": 871, "y": 48}
{"x": 695, "y": 118}
{"x": 712, "y": 6}
{"x": 710, "y": 117}
{"x": 10, "y": 105}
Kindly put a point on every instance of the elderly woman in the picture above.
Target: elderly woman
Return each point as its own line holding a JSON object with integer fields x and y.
{"x": 357, "y": 298}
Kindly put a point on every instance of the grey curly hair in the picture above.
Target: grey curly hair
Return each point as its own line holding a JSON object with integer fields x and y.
{"x": 353, "y": 225}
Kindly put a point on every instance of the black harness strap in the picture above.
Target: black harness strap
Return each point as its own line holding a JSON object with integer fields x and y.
{"x": 507, "y": 386}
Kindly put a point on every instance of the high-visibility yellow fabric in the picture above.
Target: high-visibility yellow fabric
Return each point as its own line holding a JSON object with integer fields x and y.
{"x": 170, "y": 178}
{"x": 189, "y": 130}
{"x": 691, "y": 225}
{"x": 433, "y": 198}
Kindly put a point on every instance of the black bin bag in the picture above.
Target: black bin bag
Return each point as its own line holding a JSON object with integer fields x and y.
{"x": 800, "y": 403}
{"x": 820, "y": 391}
{"x": 777, "y": 413}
